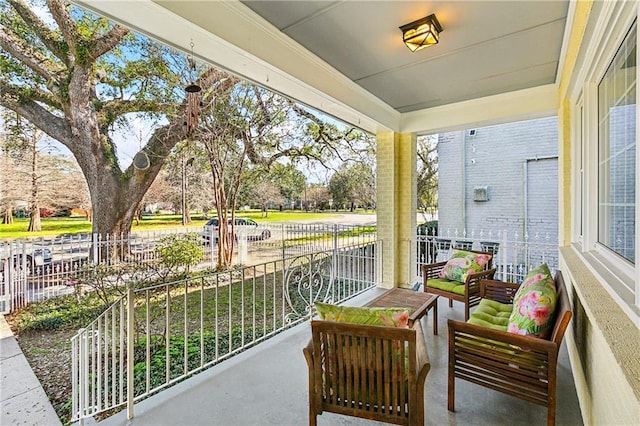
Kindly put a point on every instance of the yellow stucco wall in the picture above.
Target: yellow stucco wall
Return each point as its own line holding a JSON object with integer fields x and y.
{"x": 396, "y": 206}
{"x": 579, "y": 24}
{"x": 602, "y": 341}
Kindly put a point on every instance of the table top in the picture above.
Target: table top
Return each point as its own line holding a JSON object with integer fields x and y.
{"x": 418, "y": 301}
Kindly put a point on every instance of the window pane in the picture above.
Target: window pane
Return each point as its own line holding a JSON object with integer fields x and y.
{"x": 617, "y": 151}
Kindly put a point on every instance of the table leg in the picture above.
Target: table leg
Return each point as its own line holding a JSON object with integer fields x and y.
{"x": 435, "y": 318}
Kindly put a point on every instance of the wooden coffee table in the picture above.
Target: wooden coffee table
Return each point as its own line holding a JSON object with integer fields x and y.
{"x": 418, "y": 301}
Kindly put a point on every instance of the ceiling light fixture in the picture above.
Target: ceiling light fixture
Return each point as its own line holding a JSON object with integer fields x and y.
{"x": 422, "y": 33}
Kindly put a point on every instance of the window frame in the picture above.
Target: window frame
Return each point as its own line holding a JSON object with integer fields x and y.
{"x": 606, "y": 127}
{"x": 618, "y": 276}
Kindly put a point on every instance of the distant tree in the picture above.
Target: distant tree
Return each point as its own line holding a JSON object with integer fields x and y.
{"x": 353, "y": 185}
{"x": 265, "y": 193}
{"x": 10, "y": 190}
{"x": 289, "y": 180}
{"x": 245, "y": 128}
{"x": 38, "y": 175}
{"x": 427, "y": 173}
{"x": 23, "y": 139}
{"x": 318, "y": 197}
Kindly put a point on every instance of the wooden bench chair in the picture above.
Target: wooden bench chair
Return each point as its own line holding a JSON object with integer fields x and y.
{"x": 367, "y": 371}
{"x": 520, "y": 366}
{"x": 469, "y": 294}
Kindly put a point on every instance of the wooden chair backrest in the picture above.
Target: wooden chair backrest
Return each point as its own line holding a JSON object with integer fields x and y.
{"x": 364, "y": 371}
{"x": 563, "y": 310}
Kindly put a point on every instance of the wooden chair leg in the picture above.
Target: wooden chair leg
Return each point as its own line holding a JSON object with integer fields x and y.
{"x": 551, "y": 402}
{"x": 451, "y": 391}
{"x": 451, "y": 385}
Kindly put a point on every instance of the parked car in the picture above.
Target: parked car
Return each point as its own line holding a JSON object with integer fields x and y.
{"x": 243, "y": 226}
{"x": 34, "y": 255}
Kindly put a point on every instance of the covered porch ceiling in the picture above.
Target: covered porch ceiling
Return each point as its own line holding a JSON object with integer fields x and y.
{"x": 497, "y": 61}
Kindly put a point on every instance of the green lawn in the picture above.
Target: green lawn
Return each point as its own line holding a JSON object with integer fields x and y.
{"x": 62, "y": 225}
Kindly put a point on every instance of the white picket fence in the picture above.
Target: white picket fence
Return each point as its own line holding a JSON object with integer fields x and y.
{"x": 38, "y": 269}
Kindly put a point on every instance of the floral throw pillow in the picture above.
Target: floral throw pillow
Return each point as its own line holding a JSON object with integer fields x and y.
{"x": 463, "y": 263}
{"x": 535, "y": 275}
{"x": 534, "y": 304}
{"x": 391, "y": 317}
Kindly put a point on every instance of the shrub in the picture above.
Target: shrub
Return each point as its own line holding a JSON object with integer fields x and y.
{"x": 180, "y": 250}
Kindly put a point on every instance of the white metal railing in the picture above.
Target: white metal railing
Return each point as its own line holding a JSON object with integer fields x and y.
{"x": 39, "y": 269}
{"x": 514, "y": 254}
{"x": 156, "y": 336}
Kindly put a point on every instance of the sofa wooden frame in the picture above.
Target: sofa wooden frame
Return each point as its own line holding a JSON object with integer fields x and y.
{"x": 360, "y": 356}
{"x": 520, "y": 366}
{"x": 471, "y": 296}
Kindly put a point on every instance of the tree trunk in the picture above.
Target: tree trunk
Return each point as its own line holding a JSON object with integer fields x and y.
{"x": 7, "y": 217}
{"x": 34, "y": 222}
{"x": 115, "y": 194}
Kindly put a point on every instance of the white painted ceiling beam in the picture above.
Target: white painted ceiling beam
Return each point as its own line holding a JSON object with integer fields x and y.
{"x": 526, "y": 104}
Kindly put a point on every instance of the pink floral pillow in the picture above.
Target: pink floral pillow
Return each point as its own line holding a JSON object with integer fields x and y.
{"x": 391, "y": 317}
{"x": 534, "y": 304}
{"x": 463, "y": 263}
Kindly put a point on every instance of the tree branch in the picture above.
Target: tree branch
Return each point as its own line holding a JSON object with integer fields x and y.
{"x": 25, "y": 106}
{"x": 66, "y": 25}
{"x": 50, "y": 39}
{"x": 114, "y": 108}
{"x": 108, "y": 41}
{"x": 32, "y": 59}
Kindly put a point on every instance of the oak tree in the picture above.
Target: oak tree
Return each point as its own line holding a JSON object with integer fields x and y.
{"x": 77, "y": 77}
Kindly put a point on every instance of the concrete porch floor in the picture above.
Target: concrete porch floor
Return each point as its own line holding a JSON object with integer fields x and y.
{"x": 267, "y": 385}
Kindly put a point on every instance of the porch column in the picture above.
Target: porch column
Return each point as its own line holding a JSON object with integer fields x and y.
{"x": 396, "y": 206}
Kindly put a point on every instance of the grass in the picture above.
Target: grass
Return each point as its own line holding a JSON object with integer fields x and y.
{"x": 73, "y": 225}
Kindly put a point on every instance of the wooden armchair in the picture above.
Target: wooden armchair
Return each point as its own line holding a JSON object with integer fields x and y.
{"x": 467, "y": 293}
{"x": 368, "y": 371}
{"x": 520, "y": 366}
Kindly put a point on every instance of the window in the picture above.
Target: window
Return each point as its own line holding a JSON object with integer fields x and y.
{"x": 617, "y": 151}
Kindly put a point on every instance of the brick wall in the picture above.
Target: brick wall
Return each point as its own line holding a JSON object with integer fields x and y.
{"x": 495, "y": 157}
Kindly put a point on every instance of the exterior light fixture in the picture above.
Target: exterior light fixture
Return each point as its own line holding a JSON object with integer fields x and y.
{"x": 422, "y": 33}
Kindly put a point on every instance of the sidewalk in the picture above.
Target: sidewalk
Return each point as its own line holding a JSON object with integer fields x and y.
{"x": 22, "y": 399}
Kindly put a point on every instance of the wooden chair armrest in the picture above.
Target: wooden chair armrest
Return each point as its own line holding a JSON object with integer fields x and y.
{"x": 473, "y": 280}
{"x": 423, "y": 364}
{"x": 308, "y": 353}
{"x": 499, "y": 291}
{"x": 432, "y": 270}
{"x": 515, "y": 343}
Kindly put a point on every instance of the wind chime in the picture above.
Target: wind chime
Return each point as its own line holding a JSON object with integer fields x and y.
{"x": 193, "y": 101}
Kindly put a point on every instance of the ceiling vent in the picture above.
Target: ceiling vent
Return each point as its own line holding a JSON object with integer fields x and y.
{"x": 481, "y": 193}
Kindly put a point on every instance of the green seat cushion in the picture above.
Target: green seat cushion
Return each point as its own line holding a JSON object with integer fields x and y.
{"x": 491, "y": 314}
{"x": 446, "y": 285}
